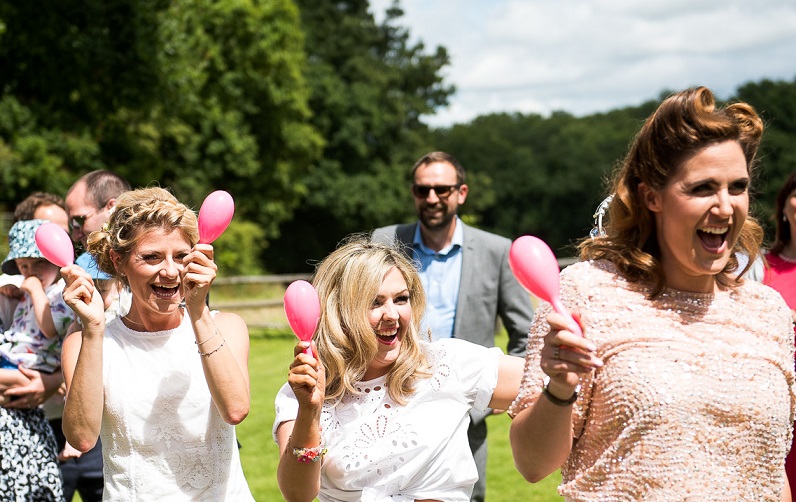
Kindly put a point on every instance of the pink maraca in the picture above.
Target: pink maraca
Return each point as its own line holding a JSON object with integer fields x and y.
{"x": 214, "y": 215}
{"x": 535, "y": 267}
{"x": 303, "y": 310}
{"x": 55, "y": 244}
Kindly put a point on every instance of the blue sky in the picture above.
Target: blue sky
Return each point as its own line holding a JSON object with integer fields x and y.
{"x": 586, "y": 56}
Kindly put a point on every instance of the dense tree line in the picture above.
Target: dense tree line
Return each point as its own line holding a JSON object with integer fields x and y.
{"x": 546, "y": 176}
{"x": 309, "y": 112}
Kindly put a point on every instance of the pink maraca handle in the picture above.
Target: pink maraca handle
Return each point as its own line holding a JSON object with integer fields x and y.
{"x": 559, "y": 307}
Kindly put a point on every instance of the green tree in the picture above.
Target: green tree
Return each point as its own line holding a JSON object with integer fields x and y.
{"x": 776, "y": 103}
{"x": 370, "y": 87}
{"x": 542, "y": 176}
{"x": 192, "y": 95}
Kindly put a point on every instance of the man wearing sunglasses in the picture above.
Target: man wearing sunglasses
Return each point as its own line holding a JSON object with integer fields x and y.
{"x": 89, "y": 201}
{"x": 465, "y": 274}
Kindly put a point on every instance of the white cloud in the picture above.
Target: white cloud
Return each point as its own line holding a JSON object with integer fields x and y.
{"x": 587, "y": 56}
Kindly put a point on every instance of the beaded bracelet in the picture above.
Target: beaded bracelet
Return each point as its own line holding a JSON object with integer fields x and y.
{"x": 207, "y": 354}
{"x": 307, "y": 455}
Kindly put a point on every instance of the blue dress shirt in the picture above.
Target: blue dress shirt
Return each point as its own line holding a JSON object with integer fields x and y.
{"x": 441, "y": 273}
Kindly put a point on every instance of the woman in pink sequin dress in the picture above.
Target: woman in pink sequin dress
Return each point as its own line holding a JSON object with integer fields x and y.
{"x": 683, "y": 386}
{"x": 781, "y": 270}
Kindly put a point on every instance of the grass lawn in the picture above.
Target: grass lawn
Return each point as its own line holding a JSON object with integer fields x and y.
{"x": 270, "y": 356}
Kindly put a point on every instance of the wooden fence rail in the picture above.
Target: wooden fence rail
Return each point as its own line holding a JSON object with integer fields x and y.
{"x": 259, "y": 312}
{"x": 262, "y": 279}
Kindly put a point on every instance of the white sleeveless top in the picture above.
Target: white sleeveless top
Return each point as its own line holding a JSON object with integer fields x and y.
{"x": 162, "y": 436}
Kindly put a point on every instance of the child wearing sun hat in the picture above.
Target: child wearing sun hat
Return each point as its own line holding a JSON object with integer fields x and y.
{"x": 41, "y": 317}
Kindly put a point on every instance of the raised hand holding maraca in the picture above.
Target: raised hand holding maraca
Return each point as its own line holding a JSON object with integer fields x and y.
{"x": 80, "y": 293}
{"x": 199, "y": 272}
{"x": 567, "y": 354}
{"x": 535, "y": 267}
{"x": 303, "y": 310}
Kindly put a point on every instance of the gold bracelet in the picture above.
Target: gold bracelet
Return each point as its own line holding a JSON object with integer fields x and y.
{"x": 215, "y": 332}
{"x": 207, "y": 354}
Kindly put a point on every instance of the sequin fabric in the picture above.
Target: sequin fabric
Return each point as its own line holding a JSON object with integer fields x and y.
{"x": 696, "y": 398}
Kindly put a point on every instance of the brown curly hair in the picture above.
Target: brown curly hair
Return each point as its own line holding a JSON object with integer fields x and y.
{"x": 136, "y": 212}
{"x": 684, "y": 123}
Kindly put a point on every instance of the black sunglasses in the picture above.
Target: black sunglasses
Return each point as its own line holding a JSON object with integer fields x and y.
{"x": 442, "y": 191}
{"x": 77, "y": 222}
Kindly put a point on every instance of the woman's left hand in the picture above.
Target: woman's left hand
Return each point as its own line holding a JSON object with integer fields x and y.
{"x": 198, "y": 273}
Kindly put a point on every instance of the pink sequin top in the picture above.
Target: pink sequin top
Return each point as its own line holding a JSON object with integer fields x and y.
{"x": 696, "y": 398}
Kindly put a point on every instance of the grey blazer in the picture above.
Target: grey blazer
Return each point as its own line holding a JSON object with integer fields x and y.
{"x": 488, "y": 289}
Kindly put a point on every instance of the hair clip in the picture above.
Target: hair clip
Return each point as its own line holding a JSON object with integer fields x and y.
{"x": 598, "y": 230}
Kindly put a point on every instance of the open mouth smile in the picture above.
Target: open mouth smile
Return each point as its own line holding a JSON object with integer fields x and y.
{"x": 387, "y": 337}
{"x": 165, "y": 291}
{"x": 714, "y": 239}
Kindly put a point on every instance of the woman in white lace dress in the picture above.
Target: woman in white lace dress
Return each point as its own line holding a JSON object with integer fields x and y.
{"x": 685, "y": 371}
{"x": 377, "y": 413}
{"x": 164, "y": 385}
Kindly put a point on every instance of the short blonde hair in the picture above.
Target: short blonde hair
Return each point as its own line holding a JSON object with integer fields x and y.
{"x": 136, "y": 212}
{"x": 348, "y": 281}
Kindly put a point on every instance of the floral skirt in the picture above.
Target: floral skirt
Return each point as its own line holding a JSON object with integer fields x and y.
{"x": 28, "y": 458}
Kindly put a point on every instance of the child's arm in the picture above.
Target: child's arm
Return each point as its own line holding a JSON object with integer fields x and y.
{"x": 41, "y": 305}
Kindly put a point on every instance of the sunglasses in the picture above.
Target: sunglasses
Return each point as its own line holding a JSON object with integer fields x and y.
{"x": 442, "y": 191}
{"x": 77, "y": 222}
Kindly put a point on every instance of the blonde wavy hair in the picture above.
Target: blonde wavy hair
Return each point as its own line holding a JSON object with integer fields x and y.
{"x": 136, "y": 212}
{"x": 348, "y": 282}
{"x": 683, "y": 124}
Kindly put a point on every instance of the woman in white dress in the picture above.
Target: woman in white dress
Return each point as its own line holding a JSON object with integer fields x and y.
{"x": 166, "y": 414}
{"x": 378, "y": 413}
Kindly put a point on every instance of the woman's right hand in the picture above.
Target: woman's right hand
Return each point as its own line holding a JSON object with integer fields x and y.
{"x": 567, "y": 356}
{"x": 82, "y": 297}
{"x": 307, "y": 376}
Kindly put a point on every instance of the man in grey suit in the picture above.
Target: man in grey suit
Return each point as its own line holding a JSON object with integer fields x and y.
{"x": 465, "y": 273}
